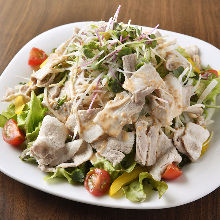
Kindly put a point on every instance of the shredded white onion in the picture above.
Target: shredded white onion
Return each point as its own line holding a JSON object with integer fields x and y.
{"x": 183, "y": 74}
{"x": 49, "y": 108}
{"x": 208, "y": 89}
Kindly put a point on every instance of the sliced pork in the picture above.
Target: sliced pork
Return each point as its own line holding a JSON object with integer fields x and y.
{"x": 129, "y": 62}
{"x": 117, "y": 113}
{"x": 193, "y": 138}
{"x": 113, "y": 149}
{"x": 189, "y": 140}
{"x": 51, "y": 138}
{"x": 146, "y": 142}
{"x": 171, "y": 156}
{"x": 145, "y": 78}
{"x": 88, "y": 130}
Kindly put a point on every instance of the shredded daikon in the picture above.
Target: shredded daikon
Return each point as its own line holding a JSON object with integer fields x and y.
{"x": 208, "y": 89}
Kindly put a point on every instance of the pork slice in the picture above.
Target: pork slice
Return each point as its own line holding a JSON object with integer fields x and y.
{"x": 45, "y": 76}
{"x": 195, "y": 109}
{"x": 142, "y": 141}
{"x": 117, "y": 113}
{"x": 54, "y": 92}
{"x": 109, "y": 147}
{"x": 193, "y": 139}
{"x": 145, "y": 77}
{"x": 152, "y": 134}
{"x": 67, "y": 152}
{"x": 163, "y": 144}
{"x": 89, "y": 131}
{"x": 181, "y": 95}
{"x": 171, "y": 156}
{"x": 51, "y": 138}
{"x": 129, "y": 62}
{"x": 83, "y": 154}
{"x": 192, "y": 50}
{"x": 161, "y": 106}
{"x": 113, "y": 156}
{"x": 146, "y": 142}
{"x": 177, "y": 140}
{"x": 174, "y": 60}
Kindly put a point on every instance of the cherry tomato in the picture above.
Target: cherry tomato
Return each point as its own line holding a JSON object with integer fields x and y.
{"x": 171, "y": 172}
{"x": 213, "y": 71}
{"x": 36, "y": 57}
{"x": 97, "y": 182}
{"x": 12, "y": 134}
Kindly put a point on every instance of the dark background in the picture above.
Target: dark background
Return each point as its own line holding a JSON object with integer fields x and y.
{"x": 22, "y": 20}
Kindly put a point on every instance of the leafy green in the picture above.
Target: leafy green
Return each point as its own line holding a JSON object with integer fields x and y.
{"x": 28, "y": 159}
{"x": 127, "y": 165}
{"x": 158, "y": 59}
{"x": 183, "y": 52}
{"x": 211, "y": 97}
{"x": 177, "y": 72}
{"x": 3, "y": 120}
{"x": 153, "y": 43}
{"x": 125, "y": 51}
{"x": 88, "y": 53}
{"x": 35, "y": 114}
{"x": 72, "y": 174}
{"x": 88, "y": 49}
{"x": 162, "y": 71}
{"x": 138, "y": 190}
{"x": 114, "y": 85}
{"x": 60, "y": 102}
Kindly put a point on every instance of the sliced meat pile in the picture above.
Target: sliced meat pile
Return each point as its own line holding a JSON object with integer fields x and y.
{"x": 189, "y": 140}
{"x": 114, "y": 149}
{"x": 50, "y": 148}
{"x": 118, "y": 112}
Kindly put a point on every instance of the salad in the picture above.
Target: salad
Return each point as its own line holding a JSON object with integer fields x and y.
{"x": 115, "y": 107}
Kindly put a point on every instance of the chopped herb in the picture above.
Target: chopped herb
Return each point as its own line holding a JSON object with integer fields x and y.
{"x": 125, "y": 51}
{"x": 88, "y": 53}
{"x": 60, "y": 102}
{"x": 139, "y": 65}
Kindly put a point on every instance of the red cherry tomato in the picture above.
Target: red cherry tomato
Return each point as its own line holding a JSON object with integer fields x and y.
{"x": 97, "y": 182}
{"x": 171, "y": 172}
{"x": 36, "y": 57}
{"x": 12, "y": 134}
{"x": 213, "y": 71}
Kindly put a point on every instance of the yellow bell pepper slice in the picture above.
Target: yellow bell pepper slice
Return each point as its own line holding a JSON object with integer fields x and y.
{"x": 44, "y": 63}
{"x": 194, "y": 65}
{"x": 206, "y": 144}
{"x": 19, "y": 104}
{"x": 219, "y": 72}
{"x": 124, "y": 179}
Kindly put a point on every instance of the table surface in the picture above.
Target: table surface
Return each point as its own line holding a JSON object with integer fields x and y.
{"x": 22, "y": 20}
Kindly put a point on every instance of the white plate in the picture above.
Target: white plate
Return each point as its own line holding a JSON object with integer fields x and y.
{"x": 198, "y": 180}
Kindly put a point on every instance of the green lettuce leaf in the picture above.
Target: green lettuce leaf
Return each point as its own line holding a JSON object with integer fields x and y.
{"x": 35, "y": 114}
{"x": 3, "y": 120}
{"x": 138, "y": 190}
{"x": 126, "y": 165}
{"x": 72, "y": 174}
{"x": 6, "y": 115}
{"x": 211, "y": 98}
